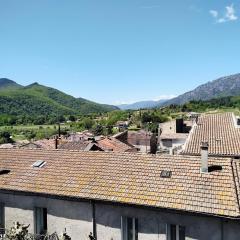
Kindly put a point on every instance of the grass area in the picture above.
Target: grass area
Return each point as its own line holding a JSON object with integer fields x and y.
{"x": 236, "y": 111}
{"x": 33, "y": 127}
{"x": 133, "y": 128}
{"x": 28, "y": 132}
{"x": 18, "y": 137}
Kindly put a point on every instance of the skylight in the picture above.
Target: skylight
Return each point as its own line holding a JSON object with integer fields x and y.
{"x": 39, "y": 164}
{"x": 166, "y": 174}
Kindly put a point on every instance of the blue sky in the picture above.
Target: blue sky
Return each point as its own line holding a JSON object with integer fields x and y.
{"x": 114, "y": 51}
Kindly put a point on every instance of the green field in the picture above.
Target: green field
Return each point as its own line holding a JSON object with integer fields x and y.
{"x": 33, "y": 127}
{"x": 28, "y": 132}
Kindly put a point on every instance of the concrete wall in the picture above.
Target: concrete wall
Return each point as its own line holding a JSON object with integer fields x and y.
{"x": 168, "y": 127}
{"x": 142, "y": 148}
{"x": 152, "y": 224}
{"x": 76, "y": 217}
{"x": 171, "y": 144}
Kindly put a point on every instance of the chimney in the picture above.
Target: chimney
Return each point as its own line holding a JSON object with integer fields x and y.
{"x": 56, "y": 143}
{"x": 59, "y": 130}
{"x": 153, "y": 144}
{"x": 204, "y": 157}
{"x": 179, "y": 125}
{"x": 196, "y": 119}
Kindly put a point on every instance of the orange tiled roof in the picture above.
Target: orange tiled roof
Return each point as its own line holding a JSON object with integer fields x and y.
{"x": 113, "y": 144}
{"x": 78, "y": 145}
{"x": 174, "y": 136}
{"x": 140, "y": 137}
{"x": 219, "y": 131}
{"x": 43, "y": 143}
{"x": 125, "y": 178}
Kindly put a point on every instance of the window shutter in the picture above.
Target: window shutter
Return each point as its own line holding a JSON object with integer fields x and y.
{"x": 136, "y": 228}
{"x": 2, "y": 216}
{"x": 181, "y": 233}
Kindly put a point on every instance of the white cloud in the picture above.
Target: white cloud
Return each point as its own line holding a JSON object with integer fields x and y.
{"x": 214, "y": 13}
{"x": 161, "y": 97}
{"x": 119, "y": 102}
{"x": 164, "y": 97}
{"x": 221, "y": 20}
{"x": 229, "y": 15}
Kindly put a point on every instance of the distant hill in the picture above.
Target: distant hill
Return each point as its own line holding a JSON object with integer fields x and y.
{"x": 7, "y": 84}
{"x": 36, "y": 99}
{"x": 141, "y": 105}
{"x": 222, "y": 87}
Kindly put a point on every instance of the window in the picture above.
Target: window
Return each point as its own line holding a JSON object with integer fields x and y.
{"x": 2, "y": 216}
{"x": 40, "y": 220}
{"x": 129, "y": 228}
{"x": 175, "y": 232}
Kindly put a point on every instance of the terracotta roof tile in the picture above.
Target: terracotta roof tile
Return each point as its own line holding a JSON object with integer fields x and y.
{"x": 113, "y": 144}
{"x": 78, "y": 145}
{"x": 219, "y": 130}
{"x": 125, "y": 178}
{"x": 43, "y": 143}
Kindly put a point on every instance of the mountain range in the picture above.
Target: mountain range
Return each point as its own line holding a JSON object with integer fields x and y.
{"x": 36, "y": 99}
{"x": 141, "y": 105}
{"x": 221, "y": 87}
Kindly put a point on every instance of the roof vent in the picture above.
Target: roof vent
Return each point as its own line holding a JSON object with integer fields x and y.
{"x": 39, "y": 164}
{"x": 214, "y": 168}
{"x": 4, "y": 171}
{"x": 166, "y": 174}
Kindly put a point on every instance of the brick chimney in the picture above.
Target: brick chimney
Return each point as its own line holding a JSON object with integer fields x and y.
{"x": 204, "y": 157}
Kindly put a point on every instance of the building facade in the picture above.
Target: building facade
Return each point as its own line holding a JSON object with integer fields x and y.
{"x": 120, "y": 196}
{"x": 111, "y": 222}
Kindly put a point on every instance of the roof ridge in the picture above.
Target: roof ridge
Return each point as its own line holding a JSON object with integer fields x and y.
{"x": 69, "y": 150}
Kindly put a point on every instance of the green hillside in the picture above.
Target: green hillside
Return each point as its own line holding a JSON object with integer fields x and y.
{"x": 220, "y": 104}
{"x": 231, "y": 103}
{"x": 37, "y": 100}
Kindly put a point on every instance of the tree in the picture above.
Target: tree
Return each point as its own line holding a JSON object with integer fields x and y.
{"x": 146, "y": 117}
{"x": 109, "y": 130}
{"x": 61, "y": 118}
{"x": 72, "y": 118}
{"x": 87, "y": 123}
{"x": 5, "y": 137}
{"x": 98, "y": 130}
{"x": 153, "y": 144}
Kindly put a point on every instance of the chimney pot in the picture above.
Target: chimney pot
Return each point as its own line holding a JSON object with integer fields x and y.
{"x": 204, "y": 157}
